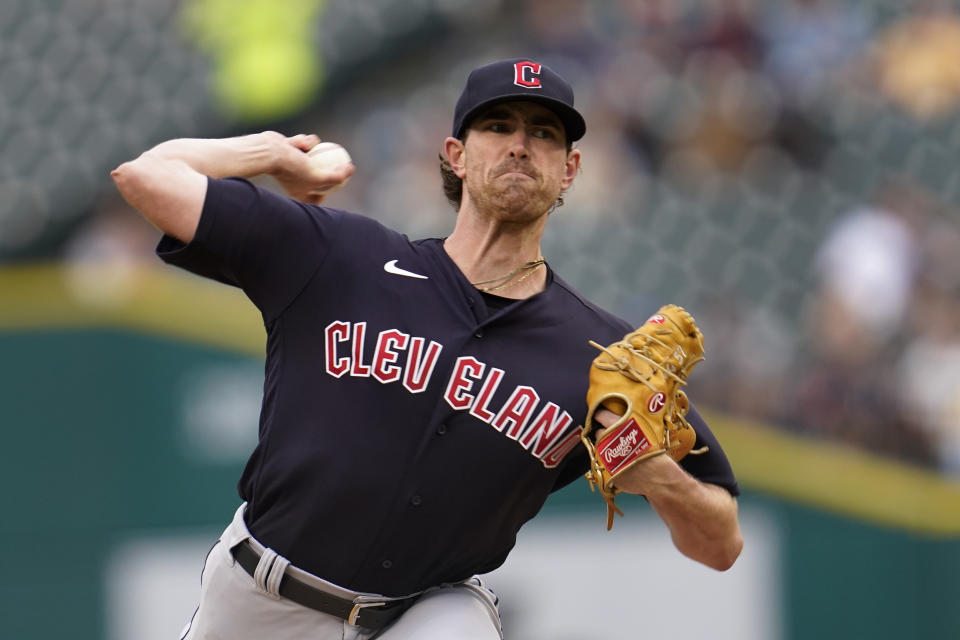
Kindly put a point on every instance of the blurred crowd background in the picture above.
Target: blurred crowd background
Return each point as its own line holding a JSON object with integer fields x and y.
{"x": 787, "y": 170}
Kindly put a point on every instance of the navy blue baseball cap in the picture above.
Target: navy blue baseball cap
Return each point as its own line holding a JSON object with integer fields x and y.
{"x": 517, "y": 79}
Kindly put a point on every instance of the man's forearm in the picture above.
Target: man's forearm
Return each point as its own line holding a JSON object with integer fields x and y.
{"x": 702, "y": 518}
{"x": 242, "y": 156}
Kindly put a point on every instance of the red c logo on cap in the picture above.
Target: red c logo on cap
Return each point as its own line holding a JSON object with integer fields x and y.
{"x": 525, "y": 75}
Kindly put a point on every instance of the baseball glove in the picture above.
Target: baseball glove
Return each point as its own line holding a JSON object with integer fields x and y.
{"x": 640, "y": 378}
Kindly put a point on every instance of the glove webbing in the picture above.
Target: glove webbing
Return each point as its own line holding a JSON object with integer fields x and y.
{"x": 622, "y": 364}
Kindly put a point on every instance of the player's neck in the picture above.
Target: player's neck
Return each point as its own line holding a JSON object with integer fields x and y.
{"x": 499, "y": 260}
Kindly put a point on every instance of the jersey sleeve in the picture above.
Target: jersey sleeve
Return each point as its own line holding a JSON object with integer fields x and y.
{"x": 266, "y": 244}
{"x": 712, "y": 466}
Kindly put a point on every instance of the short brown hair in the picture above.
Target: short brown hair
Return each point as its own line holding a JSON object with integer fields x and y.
{"x": 452, "y": 184}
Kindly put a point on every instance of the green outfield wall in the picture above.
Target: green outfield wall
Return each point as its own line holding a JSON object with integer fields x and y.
{"x": 109, "y": 431}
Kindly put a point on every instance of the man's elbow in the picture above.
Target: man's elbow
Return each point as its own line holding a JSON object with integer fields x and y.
{"x": 717, "y": 554}
{"x": 129, "y": 179}
{"x": 725, "y": 555}
{"x": 120, "y": 175}
{"x": 168, "y": 194}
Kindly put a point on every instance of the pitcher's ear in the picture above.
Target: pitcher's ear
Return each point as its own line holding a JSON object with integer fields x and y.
{"x": 571, "y": 166}
{"x": 455, "y": 150}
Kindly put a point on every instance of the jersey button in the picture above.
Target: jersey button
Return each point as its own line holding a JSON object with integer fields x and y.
{"x": 442, "y": 429}
{"x": 478, "y": 334}
{"x": 416, "y": 501}
{"x": 386, "y": 564}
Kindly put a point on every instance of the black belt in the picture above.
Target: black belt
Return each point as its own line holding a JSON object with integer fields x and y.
{"x": 372, "y": 615}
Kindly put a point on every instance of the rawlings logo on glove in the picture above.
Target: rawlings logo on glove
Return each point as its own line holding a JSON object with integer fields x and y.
{"x": 622, "y": 446}
{"x": 640, "y": 379}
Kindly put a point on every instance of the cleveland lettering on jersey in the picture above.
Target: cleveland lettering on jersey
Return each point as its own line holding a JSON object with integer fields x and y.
{"x": 538, "y": 427}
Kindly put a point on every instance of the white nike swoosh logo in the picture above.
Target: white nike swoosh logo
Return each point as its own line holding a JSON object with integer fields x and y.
{"x": 391, "y": 267}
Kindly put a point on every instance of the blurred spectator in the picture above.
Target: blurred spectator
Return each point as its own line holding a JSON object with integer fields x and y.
{"x": 928, "y": 373}
{"x": 560, "y": 28}
{"x": 915, "y": 60}
{"x": 735, "y": 113}
{"x": 866, "y": 269}
{"x": 726, "y": 27}
{"x": 809, "y": 45}
{"x": 856, "y": 403}
{"x": 650, "y": 26}
{"x": 807, "y": 42}
{"x": 866, "y": 273}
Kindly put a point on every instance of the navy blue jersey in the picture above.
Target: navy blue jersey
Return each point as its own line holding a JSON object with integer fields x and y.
{"x": 407, "y": 432}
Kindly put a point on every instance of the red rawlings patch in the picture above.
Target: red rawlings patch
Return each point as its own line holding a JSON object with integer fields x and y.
{"x": 656, "y": 402}
{"x": 622, "y": 446}
{"x": 657, "y": 319}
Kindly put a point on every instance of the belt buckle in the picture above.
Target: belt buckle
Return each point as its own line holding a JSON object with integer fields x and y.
{"x": 358, "y": 607}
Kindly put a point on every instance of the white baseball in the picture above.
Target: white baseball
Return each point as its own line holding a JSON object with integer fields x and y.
{"x": 329, "y": 156}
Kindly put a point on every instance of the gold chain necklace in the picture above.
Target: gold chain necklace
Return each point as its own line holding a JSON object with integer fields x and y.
{"x": 528, "y": 267}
